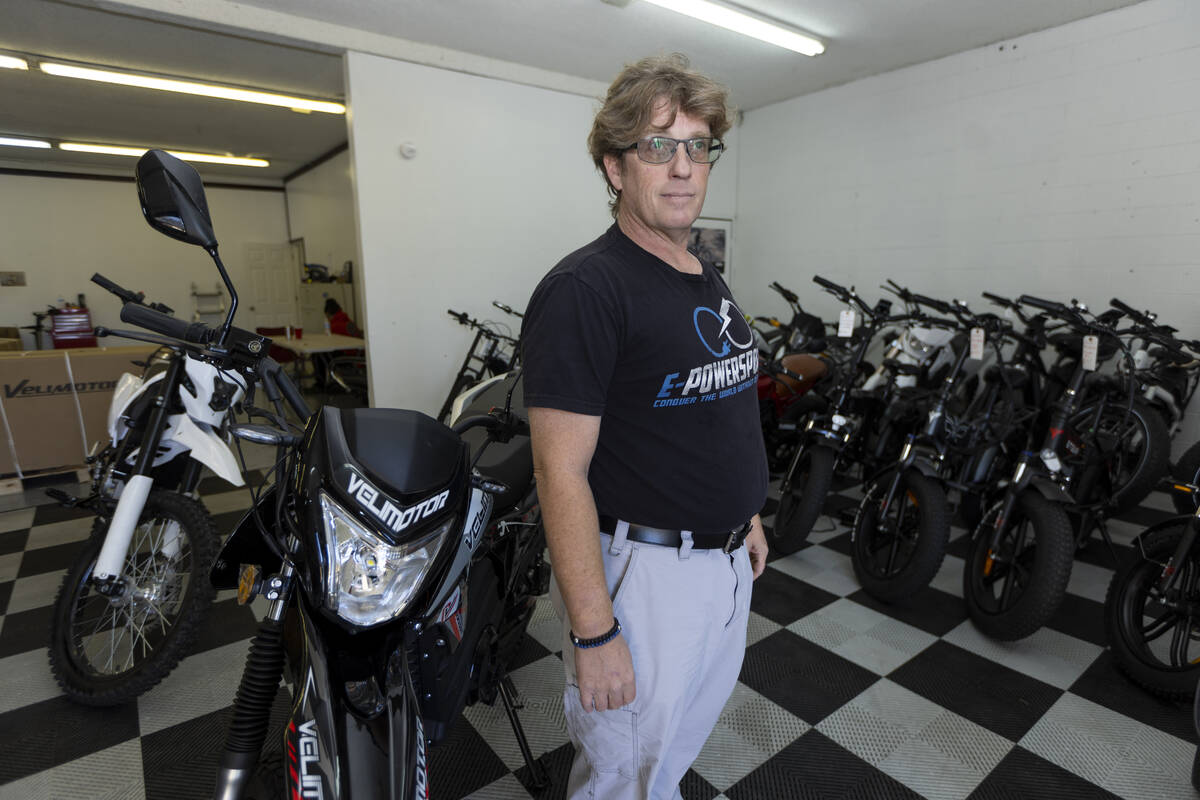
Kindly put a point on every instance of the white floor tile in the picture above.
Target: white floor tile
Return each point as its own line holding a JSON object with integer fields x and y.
{"x": 10, "y": 565}
{"x": 201, "y": 684}
{"x": 1083, "y": 737}
{"x": 111, "y": 774}
{"x": 949, "y": 577}
{"x": 16, "y": 520}
{"x": 1090, "y": 581}
{"x": 507, "y": 788}
{"x": 749, "y": 731}
{"x": 25, "y": 679}
{"x": 1055, "y": 658}
{"x": 759, "y": 628}
{"x": 56, "y": 533}
{"x": 35, "y": 591}
{"x": 540, "y": 686}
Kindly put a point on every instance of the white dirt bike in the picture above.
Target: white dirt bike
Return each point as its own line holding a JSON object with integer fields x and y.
{"x": 132, "y": 602}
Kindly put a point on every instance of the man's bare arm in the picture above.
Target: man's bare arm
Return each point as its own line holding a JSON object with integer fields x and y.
{"x": 563, "y": 444}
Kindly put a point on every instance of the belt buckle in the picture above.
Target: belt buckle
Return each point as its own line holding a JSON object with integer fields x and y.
{"x": 733, "y": 538}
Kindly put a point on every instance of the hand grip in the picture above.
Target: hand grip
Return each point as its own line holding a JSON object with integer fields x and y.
{"x": 939, "y": 305}
{"x": 124, "y": 294}
{"x": 143, "y": 317}
{"x": 995, "y": 298}
{"x": 830, "y": 285}
{"x": 1044, "y": 305}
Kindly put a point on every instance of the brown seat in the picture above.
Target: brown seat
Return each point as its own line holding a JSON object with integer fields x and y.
{"x": 810, "y": 369}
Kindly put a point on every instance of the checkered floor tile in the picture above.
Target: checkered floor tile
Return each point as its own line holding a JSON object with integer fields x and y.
{"x": 840, "y": 696}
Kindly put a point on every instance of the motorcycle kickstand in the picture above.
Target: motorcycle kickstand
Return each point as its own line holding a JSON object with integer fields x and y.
{"x": 1102, "y": 525}
{"x": 538, "y": 779}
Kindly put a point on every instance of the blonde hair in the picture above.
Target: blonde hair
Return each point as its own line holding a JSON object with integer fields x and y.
{"x": 638, "y": 92}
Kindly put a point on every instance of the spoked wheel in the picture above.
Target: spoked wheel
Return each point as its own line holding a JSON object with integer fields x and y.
{"x": 1155, "y": 639}
{"x": 1134, "y": 447}
{"x": 1015, "y": 589}
{"x": 109, "y": 650}
{"x": 801, "y": 497}
{"x": 898, "y": 550}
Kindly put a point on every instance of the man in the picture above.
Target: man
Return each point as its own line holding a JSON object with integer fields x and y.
{"x": 639, "y": 378}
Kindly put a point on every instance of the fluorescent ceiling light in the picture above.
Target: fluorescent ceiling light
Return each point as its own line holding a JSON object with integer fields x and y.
{"x": 190, "y": 87}
{"x": 11, "y": 141}
{"x": 744, "y": 24}
{"x": 12, "y": 62}
{"x": 207, "y": 158}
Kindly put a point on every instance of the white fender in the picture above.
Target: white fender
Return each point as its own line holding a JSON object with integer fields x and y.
{"x": 207, "y": 447}
{"x": 129, "y": 388}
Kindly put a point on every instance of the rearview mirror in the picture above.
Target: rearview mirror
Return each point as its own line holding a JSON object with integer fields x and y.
{"x": 172, "y": 198}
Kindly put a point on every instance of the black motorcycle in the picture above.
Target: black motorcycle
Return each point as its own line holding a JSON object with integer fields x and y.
{"x": 402, "y": 560}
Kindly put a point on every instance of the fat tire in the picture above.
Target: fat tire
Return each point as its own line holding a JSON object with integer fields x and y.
{"x": 1187, "y": 470}
{"x": 89, "y": 688}
{"x": 802, "y": 497}
{"x": 1125, "y": 598}
{"x": 1153, "y": 459}
{"x": 927, "y": 550}
{"x": 1053, "y": 556}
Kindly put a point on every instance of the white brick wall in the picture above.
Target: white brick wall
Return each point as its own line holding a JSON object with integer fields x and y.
{"x": 1066, "y": 164}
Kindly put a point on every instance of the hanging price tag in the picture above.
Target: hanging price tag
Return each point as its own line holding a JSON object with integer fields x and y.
{"x": 1091, "y": 345}
{"x": 846, "y": 323}
{"x": 977, "y": 344}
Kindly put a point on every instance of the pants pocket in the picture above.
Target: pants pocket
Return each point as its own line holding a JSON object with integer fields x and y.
{"x": 608, "y": 738}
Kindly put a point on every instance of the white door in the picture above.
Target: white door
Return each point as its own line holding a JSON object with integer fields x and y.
{"x": 274, "y": 282}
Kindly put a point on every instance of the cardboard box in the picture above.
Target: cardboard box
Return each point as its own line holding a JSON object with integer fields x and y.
{"x": 56, "y": 403}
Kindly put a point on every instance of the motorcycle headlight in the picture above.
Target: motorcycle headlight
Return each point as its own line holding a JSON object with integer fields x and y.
{"x": 368, "y": 580}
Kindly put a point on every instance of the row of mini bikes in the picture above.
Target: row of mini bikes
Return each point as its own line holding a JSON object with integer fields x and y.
{"x": 1036, "y": 420}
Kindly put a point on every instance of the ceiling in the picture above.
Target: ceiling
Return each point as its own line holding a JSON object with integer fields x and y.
{"x": 588, "y": 39}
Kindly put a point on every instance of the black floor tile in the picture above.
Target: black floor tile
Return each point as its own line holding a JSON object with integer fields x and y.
{"x": 5, "y": 595}
{"x": 997, "y": 698}
{"x": 1104, "y": 684}
{"x": 1081, "y": 618}
{"x": 1096, "y": 553}
{"x": 53, "y": 512}
{"x": 53, "y": 732}
{"x": 180, "y": 762}
{"x": 783, "y": 599}
{"x": 13, "y": 541}
{"x": 838, "y": 504}
{"x": 1021, "y": 775}
{"x": 225, "y": 623}
{"x": 462, "y": 763}
{"x": 842, "y": 543}
{"x": 959, "y": 547}
{"x": 531, "y": 650}
{"x": 49, "y": 559}
{"x": 26, "y": 630}
{"x": 804, "y": 678}
{"x": 816, "y": 768}
{"x": 931, "y": 610}
{"x": 694, "y": 787}
{"x": 557, "y": 765}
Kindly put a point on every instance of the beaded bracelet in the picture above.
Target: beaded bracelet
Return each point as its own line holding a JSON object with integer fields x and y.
{"x": 596, "y": 641}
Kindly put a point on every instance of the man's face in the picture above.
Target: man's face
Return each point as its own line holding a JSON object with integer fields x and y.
{"x": 663, "y": 197}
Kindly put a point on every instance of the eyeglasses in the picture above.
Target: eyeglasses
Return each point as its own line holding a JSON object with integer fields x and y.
{"x": 661, "y": 149}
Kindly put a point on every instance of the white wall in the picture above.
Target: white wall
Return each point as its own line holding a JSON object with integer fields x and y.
{"x": 500, "y": 189}
{"x": 1066, "y": 164}
{"x": 320, "y": 207}
{"x": 60, "y": 230}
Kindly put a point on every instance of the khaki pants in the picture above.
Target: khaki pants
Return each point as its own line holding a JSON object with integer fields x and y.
{"x": 683, "y": 613}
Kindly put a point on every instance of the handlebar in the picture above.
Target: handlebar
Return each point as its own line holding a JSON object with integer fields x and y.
{"x": 507, "y": 309}
{"x": 460, "y": 316}
{"x": 127, "y": 296}
{"x": 786, "y": 294}
{"x": 936, "y": 305}
{"x": 143, "y": 317}
{"x": 1049, "y": 306}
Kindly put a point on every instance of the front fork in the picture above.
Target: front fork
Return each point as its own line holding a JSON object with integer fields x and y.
{"x": 110, "y": 562}
{"x": 1171, "y": 571}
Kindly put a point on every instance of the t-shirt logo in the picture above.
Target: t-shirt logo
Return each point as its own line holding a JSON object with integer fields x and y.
{"x": 720, "y": 332}
{"x": 715, "y": 327}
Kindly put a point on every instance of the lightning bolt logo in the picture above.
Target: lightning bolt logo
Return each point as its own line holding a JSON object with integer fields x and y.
{"x": 724, "y": 335}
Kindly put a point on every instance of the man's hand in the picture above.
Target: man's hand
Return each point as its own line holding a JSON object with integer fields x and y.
{"x": 756, "y": 545}
{"x": 605, "y": 676}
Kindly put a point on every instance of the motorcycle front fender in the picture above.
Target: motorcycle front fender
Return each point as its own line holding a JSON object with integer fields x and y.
{"x": 246, "y": 546}
{"x": 333, "y": 751}
{"x": 129, "y": 388}
{"x": 1050, "y": 489}
{"x": 207, "y": 447}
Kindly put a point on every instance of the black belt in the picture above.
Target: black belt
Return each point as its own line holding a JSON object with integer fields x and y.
{"x": 726, "y": 542}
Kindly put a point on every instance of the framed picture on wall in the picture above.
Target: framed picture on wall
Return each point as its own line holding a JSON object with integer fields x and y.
{"x": 712, "y": 240}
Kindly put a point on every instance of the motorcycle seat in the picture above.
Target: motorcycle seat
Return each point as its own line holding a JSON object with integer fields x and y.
{"x": 808, "y": 368}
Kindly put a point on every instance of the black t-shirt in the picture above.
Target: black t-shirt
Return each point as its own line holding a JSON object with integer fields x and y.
{"x": 669, "y": 364}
